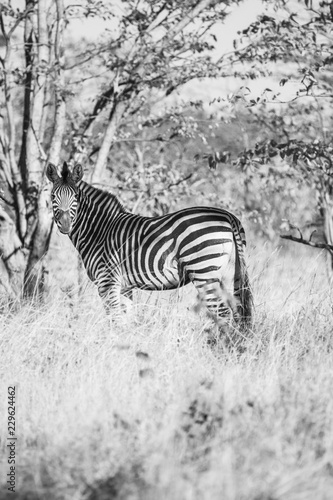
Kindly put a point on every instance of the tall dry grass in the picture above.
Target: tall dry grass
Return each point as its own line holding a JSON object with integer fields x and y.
{"x": 150, "y": 411}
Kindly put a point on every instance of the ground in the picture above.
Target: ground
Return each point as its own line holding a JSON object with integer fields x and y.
{"x": 151, "y": 411}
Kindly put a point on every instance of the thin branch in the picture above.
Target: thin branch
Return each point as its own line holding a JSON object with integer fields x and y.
{"x": 7, "y": 258}
{"x": 173, "y": 184}
{"x": 310, "y": 243}
{"x": 91, "y": 77}
{"x": 43, "y": 155}
{"x": 5, "y": 200}
{"x": 188, "y": 18}
{"x": 300, "y": 96}
{"x": 88, "y": 56}
{"x": 8, "y": 35}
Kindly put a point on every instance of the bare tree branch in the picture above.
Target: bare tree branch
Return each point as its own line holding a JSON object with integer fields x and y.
{"x": 8, "y": 35}
{"x": 310, "y": 243}
{"x": 5, "y": 200}
{"x": 191, "y": 16}
{"x": 173, "y": 184}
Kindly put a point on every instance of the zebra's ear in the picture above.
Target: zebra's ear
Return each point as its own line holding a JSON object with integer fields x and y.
{"x": 51, "y": 172}
{"x": 77, "y": 173}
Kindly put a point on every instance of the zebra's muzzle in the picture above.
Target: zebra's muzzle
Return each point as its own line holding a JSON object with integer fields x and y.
{"x": 64, "y": 221}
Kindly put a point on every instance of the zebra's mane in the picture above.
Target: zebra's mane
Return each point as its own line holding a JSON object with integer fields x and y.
{"x": 99, "y": 195}
{"x": 65, "y": 172}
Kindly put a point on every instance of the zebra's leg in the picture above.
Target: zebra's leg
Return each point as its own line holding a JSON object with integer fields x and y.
{"x": 110, "y": 294}
{"x": 218, "y": 300}
{"x": 126, "y": 301}
{"x": 227, "y": 307}
{"x": 221, "y": 305}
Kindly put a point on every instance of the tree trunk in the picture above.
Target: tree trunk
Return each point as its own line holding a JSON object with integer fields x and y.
{"x": 328, "y": 228}
{"x": 116, "y": 115}
{"x": 12, "y": 257}
{"x": 35, "y": 273}
{"x": 28, "y": 88}
{"x": 35, "y": 134}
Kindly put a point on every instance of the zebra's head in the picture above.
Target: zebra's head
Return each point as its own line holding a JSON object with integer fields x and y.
{"x": 64, "y": 194}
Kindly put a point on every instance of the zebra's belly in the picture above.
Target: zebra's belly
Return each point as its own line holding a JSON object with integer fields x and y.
{"x": 153, "y": 287}
{"x": 164, "y": 275}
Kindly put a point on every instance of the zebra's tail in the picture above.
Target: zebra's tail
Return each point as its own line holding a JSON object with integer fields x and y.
{"x": 245, "y": 305}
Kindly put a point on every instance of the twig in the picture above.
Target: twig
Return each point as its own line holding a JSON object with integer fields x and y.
{"x": 173, "y": 184}
{"x": 310, "y": 243}
{"x": 8, "y": 202}
{"x": 7, "y": 257}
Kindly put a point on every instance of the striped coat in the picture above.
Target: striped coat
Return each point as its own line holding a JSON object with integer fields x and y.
{"x": 122, "y": 251}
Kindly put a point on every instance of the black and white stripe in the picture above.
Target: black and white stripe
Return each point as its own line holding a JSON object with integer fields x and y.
{"x": 122, "y": 251}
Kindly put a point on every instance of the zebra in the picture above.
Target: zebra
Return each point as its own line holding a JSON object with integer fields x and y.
{"x": 122, "y": 251}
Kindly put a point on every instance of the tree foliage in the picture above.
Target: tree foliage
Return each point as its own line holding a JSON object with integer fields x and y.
{"x": 290, "y": 44}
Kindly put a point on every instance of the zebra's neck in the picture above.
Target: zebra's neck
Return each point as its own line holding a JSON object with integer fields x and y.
{"x": 96, "y": 211}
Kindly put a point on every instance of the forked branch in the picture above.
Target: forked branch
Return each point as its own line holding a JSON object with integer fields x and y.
{"x": 308, "y": 242}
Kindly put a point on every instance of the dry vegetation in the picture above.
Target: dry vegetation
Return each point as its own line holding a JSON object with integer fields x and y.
{"x": 150, "y": 411}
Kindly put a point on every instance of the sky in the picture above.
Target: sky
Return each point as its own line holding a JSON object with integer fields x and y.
{"x": 240, "y": 17}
